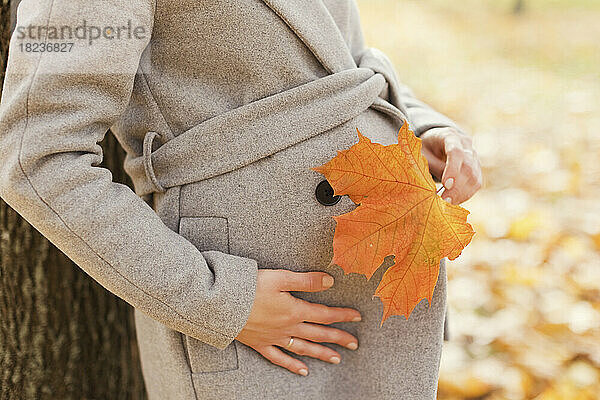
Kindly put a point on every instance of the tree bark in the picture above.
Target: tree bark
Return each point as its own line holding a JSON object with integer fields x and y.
{"x": 62, "y": 335}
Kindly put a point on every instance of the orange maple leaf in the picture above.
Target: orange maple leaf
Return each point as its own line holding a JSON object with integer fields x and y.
{"x": 400, "y": 214}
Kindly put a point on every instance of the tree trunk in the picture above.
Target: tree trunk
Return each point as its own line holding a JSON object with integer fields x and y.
{"x": 62, "y": 335}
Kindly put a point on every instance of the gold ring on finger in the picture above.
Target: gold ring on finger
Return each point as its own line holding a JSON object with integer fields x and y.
{"x": 290, "y": 343}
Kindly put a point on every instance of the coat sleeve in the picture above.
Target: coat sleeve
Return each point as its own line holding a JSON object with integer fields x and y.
{"x": 55, "y": 108}
{"x": 420, "y": 115}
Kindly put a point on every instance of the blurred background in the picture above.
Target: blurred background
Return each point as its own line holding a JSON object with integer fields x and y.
{"x": 522, "y": 77}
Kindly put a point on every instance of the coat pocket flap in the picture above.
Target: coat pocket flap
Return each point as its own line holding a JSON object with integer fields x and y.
{"x": 205, "y": 358}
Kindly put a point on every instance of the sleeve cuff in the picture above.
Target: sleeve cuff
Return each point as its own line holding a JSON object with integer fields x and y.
{"x": 230, "y": 300}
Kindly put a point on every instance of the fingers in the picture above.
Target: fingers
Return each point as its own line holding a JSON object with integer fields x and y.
{"x": 320, "y": 333}
{"x": 436, "y": 164}
{"x": 278, "y": 357}
{"x": 465, "y": 184}
{"x": 322, "y": 314}
{"x": 462, "y": 175}
{"x": 454, "y": 158}
{"x": 304, "y": 281}
{"x": 301, "y": 347}
{"x": 306, "y": 348}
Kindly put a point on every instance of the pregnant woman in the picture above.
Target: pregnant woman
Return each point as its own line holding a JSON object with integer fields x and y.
{"x": 222, "y": 106}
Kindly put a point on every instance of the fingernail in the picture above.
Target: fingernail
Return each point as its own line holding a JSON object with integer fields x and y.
{"x": 303, "y": 372}
{"x": 356, "y": 319}
{"x": 352, "y": 346}
{"x": 448, "y": 199}
{"x": 335, "y": 360}
{"x": 449, "y": 183}
{"x": 327, "y": 281}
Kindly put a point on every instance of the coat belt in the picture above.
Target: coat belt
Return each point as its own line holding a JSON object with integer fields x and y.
{"x": 246, "y": 132}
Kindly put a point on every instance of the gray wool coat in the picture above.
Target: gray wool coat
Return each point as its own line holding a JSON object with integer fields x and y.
{"x": 222, "y": 106}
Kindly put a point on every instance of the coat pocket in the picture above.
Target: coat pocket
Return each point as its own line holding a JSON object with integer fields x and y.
{"x": 208, "y": 233}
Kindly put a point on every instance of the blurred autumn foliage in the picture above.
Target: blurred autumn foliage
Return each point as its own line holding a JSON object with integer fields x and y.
{"x": 525, "y": 294}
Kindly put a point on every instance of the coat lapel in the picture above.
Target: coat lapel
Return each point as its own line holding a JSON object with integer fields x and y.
{"x": 311, "y": 21}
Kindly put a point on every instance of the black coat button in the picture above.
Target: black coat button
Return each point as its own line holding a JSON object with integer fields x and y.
{"x": 324, "y": 194}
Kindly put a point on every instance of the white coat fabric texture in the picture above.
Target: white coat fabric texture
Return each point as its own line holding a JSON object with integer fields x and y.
{"x": 223, "y": 107}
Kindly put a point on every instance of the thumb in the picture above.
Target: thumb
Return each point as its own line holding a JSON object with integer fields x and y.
{"x": 305, "y": 281}
{"x": 436, "y": 165}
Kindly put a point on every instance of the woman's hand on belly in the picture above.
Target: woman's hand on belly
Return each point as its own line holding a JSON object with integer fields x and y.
{"x": 277, "y": 316}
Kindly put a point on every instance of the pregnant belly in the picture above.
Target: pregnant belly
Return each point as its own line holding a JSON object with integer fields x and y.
{"x": 268, "y": 210}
